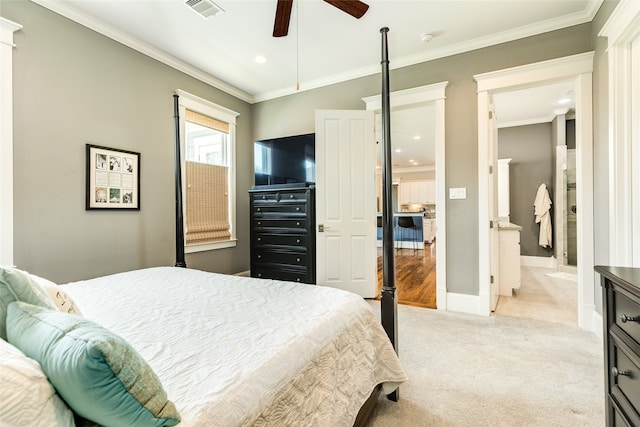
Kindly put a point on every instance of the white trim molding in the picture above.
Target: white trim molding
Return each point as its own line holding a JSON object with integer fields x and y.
{"x": 575, "y": 68}
{"x": 623, "y": 33}
{"x": 218, "y": 112}
{"x": 7, "y": 28}
{"x": 429, "y": 94}
{"x": 68, "y": 11}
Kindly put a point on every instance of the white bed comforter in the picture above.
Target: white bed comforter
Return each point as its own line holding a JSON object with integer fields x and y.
{"x": 237, "y": 351}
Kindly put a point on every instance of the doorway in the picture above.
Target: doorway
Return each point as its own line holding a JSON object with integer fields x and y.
{"x": 431, "y": 96}
{"x": 577, "y": 69}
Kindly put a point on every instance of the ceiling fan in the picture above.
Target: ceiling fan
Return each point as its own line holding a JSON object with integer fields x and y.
{"x": 355, "y": 8}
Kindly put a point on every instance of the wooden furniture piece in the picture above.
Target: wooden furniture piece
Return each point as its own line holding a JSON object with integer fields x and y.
{"x": 283, "y": 243}
{"x": 621, "y": 318}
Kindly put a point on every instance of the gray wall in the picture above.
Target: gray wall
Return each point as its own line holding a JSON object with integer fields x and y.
{"x": 73, "y": 86}
{"x": 295, "y": 114}
{"x": 532, "y": 150}
{"x": 83, "y": 88}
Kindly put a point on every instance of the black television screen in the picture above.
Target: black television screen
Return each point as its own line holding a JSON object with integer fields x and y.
{"x": 285, "y": 161}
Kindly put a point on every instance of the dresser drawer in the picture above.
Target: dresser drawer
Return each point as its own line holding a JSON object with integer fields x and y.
{"x": 626, "y": 310}
{"x": 298, "y": 259}
{"x": 290, "y": 275}
{"x": 626, "y": 375}
{"x": 273, "y": 225}
{"x": 289, "y": 210}
{"x": 279, "y": 197}
{"x": 291, "y": 240}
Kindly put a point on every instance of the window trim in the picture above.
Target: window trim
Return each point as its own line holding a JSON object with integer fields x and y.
{"x": 194, "y": 103}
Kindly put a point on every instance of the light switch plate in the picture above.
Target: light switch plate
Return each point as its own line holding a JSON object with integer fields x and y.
{"x": 458, "y": 193}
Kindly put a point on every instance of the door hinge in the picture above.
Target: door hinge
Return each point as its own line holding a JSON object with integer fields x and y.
{"x": 491, "y": 279}
{"x": 491, "y": 224}
{"x": 490, "y": 169}
{"x": 490, "y": 114}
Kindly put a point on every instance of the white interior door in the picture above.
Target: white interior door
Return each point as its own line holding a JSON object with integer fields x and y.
{"x": 494, "y": 288}
{"x": 346, "y": 201}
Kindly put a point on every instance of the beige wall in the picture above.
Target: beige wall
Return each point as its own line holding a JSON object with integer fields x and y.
{"x": 73, "y": 86}
{"x": 295, "y": 114}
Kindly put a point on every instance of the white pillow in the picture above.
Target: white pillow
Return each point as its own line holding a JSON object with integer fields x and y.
{"x": 26, "y": 396}
{"x": 61, "y": 299}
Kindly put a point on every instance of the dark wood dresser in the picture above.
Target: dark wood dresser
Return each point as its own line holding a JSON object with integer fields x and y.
{"x": 283, "y": 239}
{"x": 621, "y": 316}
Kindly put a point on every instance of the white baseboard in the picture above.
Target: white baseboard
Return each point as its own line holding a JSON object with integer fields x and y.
{"x": 462, "y": 303}
{"x": 597, "y": 325}
{"x": 538, "y": 261}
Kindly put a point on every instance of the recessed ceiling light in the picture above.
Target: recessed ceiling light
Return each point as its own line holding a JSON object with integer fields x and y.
{"x": 416, "y": 137}
{"x": 261, "y": 59}
{"x": 563, "y": 101}
{"x": 398, "y": 150}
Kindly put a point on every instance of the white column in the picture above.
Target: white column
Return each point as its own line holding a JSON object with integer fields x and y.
{"x": 7, "y": 28}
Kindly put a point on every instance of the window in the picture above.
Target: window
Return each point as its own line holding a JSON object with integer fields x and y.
{"x": 207, "y": 135}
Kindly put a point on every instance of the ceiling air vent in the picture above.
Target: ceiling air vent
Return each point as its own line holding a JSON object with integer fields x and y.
{"x": 205, "y": 8}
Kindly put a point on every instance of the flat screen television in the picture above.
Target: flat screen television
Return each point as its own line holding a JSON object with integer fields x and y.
{"x": 286, "y": 161}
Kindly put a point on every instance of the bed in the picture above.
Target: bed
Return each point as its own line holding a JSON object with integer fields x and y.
{"x": 237, "y": 351}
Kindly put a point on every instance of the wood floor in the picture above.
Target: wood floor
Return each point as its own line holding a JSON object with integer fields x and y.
{"x": 415, "y": 276}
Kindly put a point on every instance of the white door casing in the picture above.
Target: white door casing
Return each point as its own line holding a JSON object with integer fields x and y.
{"x": 623, "y": 37}
{"x": 433, "y": 93}
{"x": 577, "y": 68}
{"x": 346, "y": 252}
{"x": 494, "y": 282}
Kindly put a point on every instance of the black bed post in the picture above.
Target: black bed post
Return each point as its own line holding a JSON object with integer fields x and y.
{"x": 388, "y": 302}
{"x": 178, "y": 184}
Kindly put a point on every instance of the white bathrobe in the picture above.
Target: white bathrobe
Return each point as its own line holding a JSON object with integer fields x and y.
{"x": 541, "y": 205}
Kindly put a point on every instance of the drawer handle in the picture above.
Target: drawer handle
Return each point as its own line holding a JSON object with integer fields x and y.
{"x": 259, "y": 239}
{"x": 259, "y": 222}
{"x": 291, "y": 196}
{"x": 624, "y": 318}
{"x": 264, "y": 197}
{"x": 616, "y": 372}
{"x": 297, "y": 240}
{"x": 259, "y": 256}
{"x": 297, "y": 259}
{"x": 298, "y": 209}
{"x": 258, "y": 209}
{"x": 298, "y": 223}
{"x": 297, "y": 279}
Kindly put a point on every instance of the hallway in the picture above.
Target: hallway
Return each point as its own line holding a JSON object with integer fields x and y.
{"x": 415, "y": 276}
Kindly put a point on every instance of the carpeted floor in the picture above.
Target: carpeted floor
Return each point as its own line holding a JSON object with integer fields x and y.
{"x": 494, "y": 371}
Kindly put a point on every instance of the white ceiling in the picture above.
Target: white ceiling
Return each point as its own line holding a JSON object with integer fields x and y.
{"x": 325, "y": 45}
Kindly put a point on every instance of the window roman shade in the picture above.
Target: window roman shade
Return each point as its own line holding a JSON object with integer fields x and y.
{"x": 207, "y": 203}
{"x": 202, "y": 120}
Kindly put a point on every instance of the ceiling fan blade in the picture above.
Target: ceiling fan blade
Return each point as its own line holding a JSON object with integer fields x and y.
{"x": 355, "y": 8}
{"x": 283, "y": 15}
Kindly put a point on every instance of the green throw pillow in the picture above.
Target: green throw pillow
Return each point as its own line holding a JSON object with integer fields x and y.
{"x": 99, "y": 375}
{"x": 17, "y": 285}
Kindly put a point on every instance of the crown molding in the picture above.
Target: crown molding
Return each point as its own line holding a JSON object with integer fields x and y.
{"x": 63, "y": 9}
{"x": 553, "y": 24}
